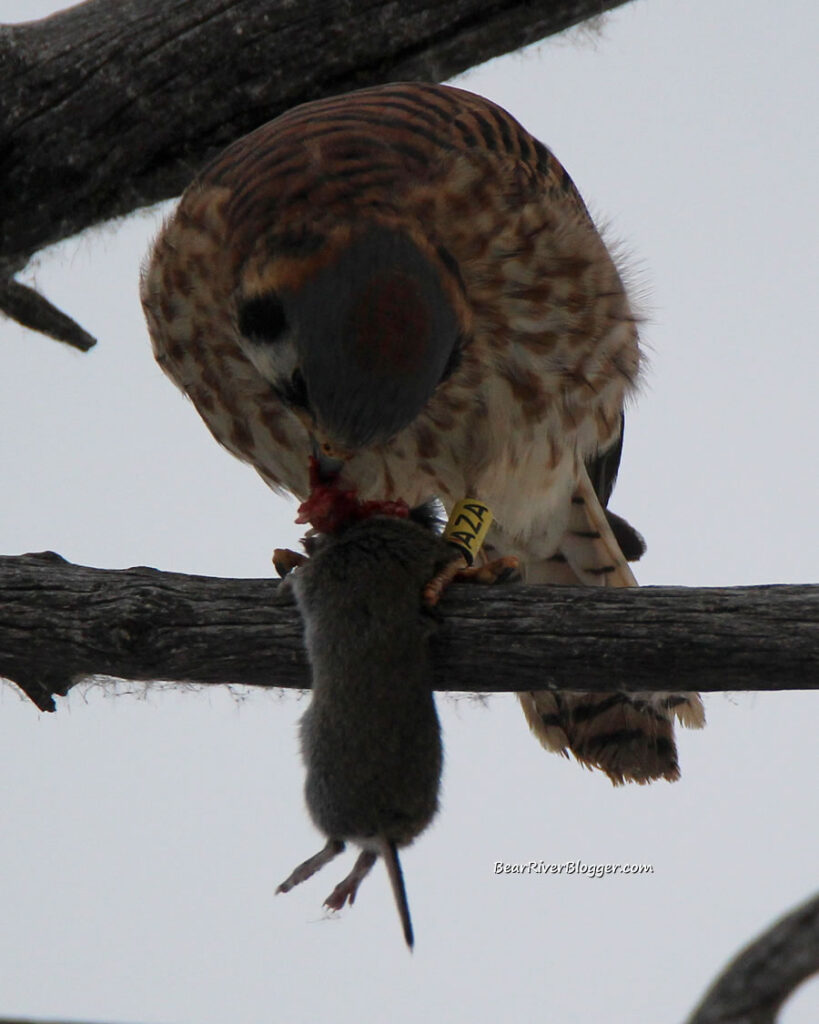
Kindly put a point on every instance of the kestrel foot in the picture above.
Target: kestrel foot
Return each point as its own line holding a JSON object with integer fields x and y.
{"x": 433, "y": 591}
{"x": 346, "y": 890}
{"x": 313, "y": 864}
{"x": 285, "y": 561}
{"x": 497, "y": 570}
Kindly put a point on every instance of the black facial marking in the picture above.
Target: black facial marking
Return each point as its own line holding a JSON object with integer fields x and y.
{"x": 453, "y": 362}
{"x": 262, "y": 319}
{"x": 294, "y": 391}
{"x": 451, "y": 264}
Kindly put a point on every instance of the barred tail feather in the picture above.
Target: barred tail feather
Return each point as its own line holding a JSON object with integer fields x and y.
{"x": 629, "y": 736}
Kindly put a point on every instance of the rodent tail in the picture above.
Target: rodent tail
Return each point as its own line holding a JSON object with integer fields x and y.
{"x": 390, "y": 855}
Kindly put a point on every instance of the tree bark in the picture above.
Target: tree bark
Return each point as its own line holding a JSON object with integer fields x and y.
{"x": 114, "y": 104}
{"x": 62, "y": 623}
{"x": 753, "y": 987}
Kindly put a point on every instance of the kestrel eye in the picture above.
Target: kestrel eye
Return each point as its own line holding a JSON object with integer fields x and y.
{"x": 296, "y": 391}
{"x": 262, "y": 319}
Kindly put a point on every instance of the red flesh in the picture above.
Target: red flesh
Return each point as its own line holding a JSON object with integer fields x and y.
{"x": 329, "y": 508}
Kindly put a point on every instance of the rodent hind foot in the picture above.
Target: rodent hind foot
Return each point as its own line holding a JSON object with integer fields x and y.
{"x": 313, "y": 864}
{"x": 345, "y": 891}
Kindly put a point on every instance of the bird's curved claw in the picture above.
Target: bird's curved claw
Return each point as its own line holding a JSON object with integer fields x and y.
{"x": 285, "y": 561}
{"x": 497, "y": 570}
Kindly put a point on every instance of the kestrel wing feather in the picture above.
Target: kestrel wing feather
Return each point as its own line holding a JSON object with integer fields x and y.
{"x": 629, "y": 736}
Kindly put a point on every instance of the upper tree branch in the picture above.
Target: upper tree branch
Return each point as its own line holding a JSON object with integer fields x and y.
{"x": 115, "y": 104}
{"x": 60, "y": 623}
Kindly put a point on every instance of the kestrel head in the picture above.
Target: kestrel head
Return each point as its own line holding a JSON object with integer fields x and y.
{"x": 355, "y": 328}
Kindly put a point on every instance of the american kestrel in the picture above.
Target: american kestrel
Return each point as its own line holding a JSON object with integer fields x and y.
{"x": 405, "y": 281}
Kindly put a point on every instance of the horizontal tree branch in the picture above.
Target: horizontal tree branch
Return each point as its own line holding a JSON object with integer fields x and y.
{"x": 62, "y": 623}
{"x": 115, "y": 104}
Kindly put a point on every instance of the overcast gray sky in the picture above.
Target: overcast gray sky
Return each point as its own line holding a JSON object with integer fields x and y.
{"x": 143, "y": 835}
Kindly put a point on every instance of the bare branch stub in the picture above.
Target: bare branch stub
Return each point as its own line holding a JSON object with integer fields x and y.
{"x": 61, "y": 623}
{"x": 30, "y": 309}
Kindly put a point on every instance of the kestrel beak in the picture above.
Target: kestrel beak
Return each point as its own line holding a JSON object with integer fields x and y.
{"x": 330, "y": 459}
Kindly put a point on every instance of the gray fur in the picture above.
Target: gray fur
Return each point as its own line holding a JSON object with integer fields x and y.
{"x": 371, "y": 739}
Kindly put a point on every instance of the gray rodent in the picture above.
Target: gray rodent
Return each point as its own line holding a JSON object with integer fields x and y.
{"x": 370, "y": 740}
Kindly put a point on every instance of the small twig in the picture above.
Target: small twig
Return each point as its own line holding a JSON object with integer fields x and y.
{"x": 29, "y": 308}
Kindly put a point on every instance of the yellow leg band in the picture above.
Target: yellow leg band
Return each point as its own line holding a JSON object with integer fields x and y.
{"x": 468, "y": 526}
